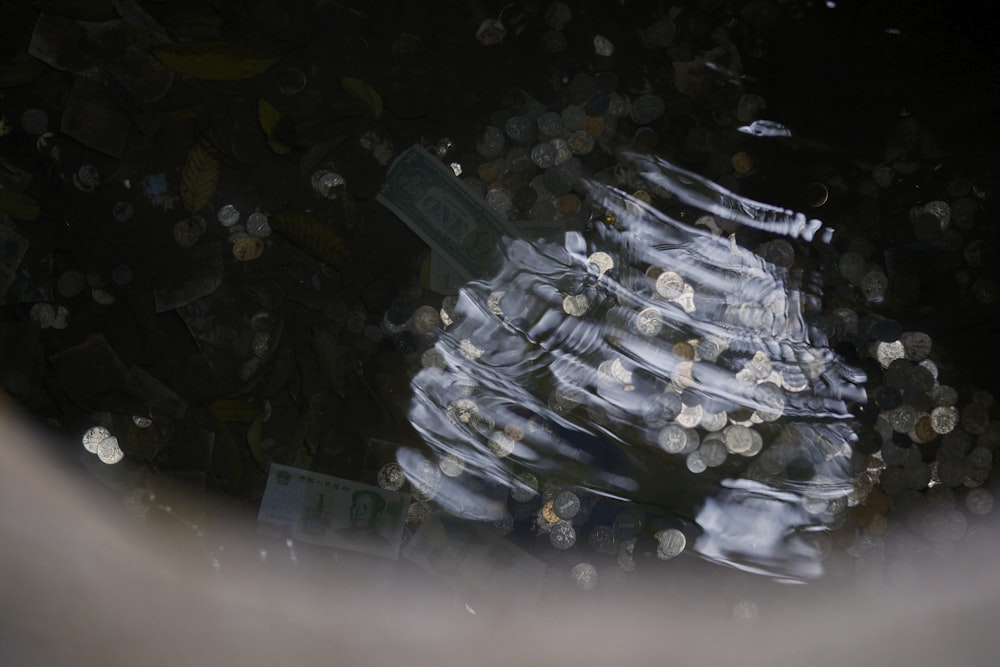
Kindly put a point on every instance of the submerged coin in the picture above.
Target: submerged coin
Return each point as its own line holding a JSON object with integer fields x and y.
{"x": 109, "y": 452}
{"x": 739, "y": 439}
{"x": 602, "y": 261}
{"x": 461, "y": 411}
{"x": 563, "y": 535}
{"x": 493, "y": 303}
{"x": 500, "y": 444}
{"x": 524, "y": 488}
{"x": 669, "y": 285}
{"x": 43, "y": 314}
{"x": 390, "y": 477}
{"x": 649, "y": 322}
{"x": 671, "y": 543}
{"x": 94, "y": 436}
{"x": 424, "y": 319}
{"x": 585, "y": 575}
{"x": 248, "y": 248}
{"x": 576, "y": 305}
{"x": 566, "y": 505}
{"x": 602, "y": 540}
{"x": 451, "y": 465}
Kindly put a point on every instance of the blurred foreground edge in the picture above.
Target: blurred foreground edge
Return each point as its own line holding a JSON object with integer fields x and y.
{"x": 80, "y": 586}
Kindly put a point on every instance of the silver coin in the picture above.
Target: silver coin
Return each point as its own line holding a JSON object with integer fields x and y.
{"x": 649, "y": 321}
{"x": 576, "y": 305}
{"x": 695, "y": 463}
{"x": 482, "y": 424}
{"x": 228, "y": 215}
{"x": 580, "y": 143}
{"x": 584, "y": 575}
{"x": 519, "y": 128}
{"x": 713, "y": 421}
{"x": 602, "y": 261}
{"x": 543, "y": 155}
{"x": 493, "y": 302}
{"x": 524, "y": 488}
{"x": 626, "y": 555}
{"x": 500, "y": 444}
{"x": 425, "y": 480}
{"x": 432, "y": 358}
{"x": 888, "y": 352}
{"x": 94, "y": 436}
{"x": 671, "y": 543}
{"x": 102, "y": 297}
{"x": 672, "y": 439}
{"x": 669, "y": 285}
{"x": 739, "y": 439}
{"x": 390, "y": 477}
{"x": 469, "y": 349}
{"x": 944, "y": 419}
{"x": 451, "y": 465}
{"x": 43, "y": 314}
{"x": 562, "y": 535}
{"x": 603, "y": 46}
{"x": 460, "y": 412}
{"x": 690, "y": 416}
{"x": 566, "y": 505}
{"x": 550, "y": 124}
{"x": 425, "y": 319}
{"x": 602, "y": 540}
{"x": 713, "y": 452}
{"x": 109, "y": 452}
{"x": 979, "y": 501}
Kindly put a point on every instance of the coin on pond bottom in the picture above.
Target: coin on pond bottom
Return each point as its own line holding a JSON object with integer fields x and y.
{"x": 671, "y": 543}
{"x": 563, "y": 536}
{"x": 248, "y": 248}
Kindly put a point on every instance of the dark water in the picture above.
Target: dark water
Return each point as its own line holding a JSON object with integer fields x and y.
{"x": 742, "y": 407}
{"x": 604, "y": 397}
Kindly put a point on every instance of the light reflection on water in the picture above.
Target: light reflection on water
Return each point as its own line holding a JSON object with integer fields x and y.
{"x": 677, "y": 371}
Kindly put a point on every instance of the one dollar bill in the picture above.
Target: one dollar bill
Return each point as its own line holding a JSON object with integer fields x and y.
{"x": 449, "y": 217}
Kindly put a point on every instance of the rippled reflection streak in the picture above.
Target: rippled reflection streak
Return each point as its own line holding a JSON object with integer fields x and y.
{"x": 648, "y": 356}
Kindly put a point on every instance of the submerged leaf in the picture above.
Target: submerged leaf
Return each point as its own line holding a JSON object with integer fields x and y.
{"x": 363, "y": 92}
{"x": 18, "y": 205}
{"x": 216, "y": 61}
{"x": 268, "y": 118}
{"x": 199, "y": 178}
{"x": 312, "y": 234}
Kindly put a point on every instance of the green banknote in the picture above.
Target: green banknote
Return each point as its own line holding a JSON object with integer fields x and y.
{"x": 447, "y": 215}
